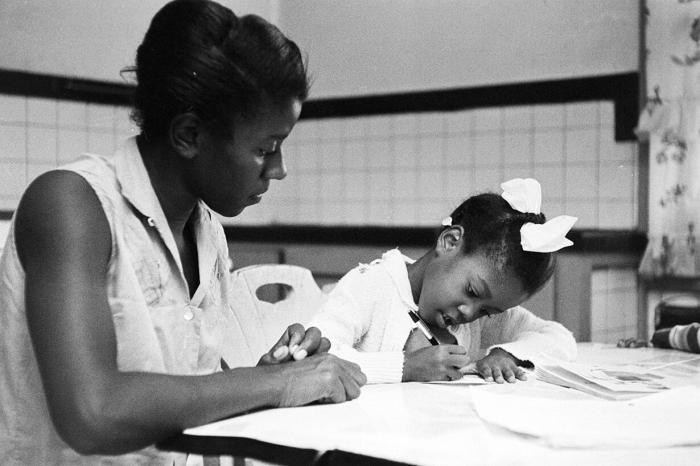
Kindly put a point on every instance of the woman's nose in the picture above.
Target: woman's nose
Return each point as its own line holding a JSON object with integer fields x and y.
{"x": 275, "y": 169}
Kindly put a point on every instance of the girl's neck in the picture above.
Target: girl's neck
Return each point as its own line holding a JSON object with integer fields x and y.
{"x": 415, "y": 274}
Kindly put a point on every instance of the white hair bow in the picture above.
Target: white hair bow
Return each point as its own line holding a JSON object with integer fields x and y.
{"x": 525, "y": 195}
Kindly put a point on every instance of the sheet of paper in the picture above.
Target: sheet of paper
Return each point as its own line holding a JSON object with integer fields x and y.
{"x": 662, "y": 419}
{"x": 467, "y": 379}
{"x": 400, "y": 422}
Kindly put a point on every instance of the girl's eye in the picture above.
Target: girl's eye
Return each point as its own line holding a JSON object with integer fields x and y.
{"x": 471, "y": 292}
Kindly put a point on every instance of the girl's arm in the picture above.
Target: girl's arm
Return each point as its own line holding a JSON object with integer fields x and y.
{"x": 64, "y": 243}
{"x": 526, "y": 336}
{"x": 358, "y": 321}
{"x": 351, "y": 315}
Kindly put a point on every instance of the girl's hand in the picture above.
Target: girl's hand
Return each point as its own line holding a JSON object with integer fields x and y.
{"x": 440, "y": 362}
{"x": 500, "y": 366}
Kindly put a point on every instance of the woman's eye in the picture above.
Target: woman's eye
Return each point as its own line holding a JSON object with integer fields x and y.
{"x": 265, "y": 153}
{"x": 471, "y": 292}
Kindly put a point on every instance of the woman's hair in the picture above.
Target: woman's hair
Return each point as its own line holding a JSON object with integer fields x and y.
{"x": 198, "y": 56}
{"x": 492, "y": 226}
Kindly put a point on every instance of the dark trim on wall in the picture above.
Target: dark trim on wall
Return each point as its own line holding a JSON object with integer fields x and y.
{"x": 60, "y": 87}
{"x": 585, "y": 241}
{"x": 622, "y": 89}
{"x": 6, "y": 214}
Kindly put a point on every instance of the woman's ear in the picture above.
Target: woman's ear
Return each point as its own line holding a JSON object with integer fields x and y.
{"x": 450, "y": 239}
{"x": 185, "y": 134}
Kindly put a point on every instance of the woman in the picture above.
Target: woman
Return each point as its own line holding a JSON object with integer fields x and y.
{"x": 113, "y": 280}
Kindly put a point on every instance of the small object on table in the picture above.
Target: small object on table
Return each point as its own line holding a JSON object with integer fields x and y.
{"x": 632, "y": 343}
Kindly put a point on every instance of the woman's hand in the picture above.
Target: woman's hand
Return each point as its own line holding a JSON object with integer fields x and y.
{"x": 296, "y": 343}
{"x": 500, "y": 366}
{"x": 323, "y": 378}
{"x": 441, "y": 362}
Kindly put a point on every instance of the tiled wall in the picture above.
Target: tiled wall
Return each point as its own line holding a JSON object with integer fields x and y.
{"x": 409, "y": 169}
{"x": 613, "y": 304}
{"x": 39, "y": 134}
{"x": 413, "y": 169}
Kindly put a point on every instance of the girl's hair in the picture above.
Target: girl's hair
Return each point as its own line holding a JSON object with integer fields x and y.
{"x": 198, "y": 56}
{"x": 492, "y": 226}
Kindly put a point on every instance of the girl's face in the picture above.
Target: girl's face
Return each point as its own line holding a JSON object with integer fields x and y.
{"x": 230, "y": 173}
{"x": 458, "y": 288}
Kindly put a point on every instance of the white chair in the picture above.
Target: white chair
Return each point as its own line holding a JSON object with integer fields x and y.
{"x": 265, "y": 300}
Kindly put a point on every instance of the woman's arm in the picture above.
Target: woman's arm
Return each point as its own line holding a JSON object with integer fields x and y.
{"x": 64, "y": 242}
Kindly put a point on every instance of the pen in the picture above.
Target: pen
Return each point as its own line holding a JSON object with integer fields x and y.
{"x": 423, "y": 327}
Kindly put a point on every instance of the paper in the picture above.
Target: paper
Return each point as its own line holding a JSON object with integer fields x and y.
{"x": 399, "y": 422}
{"x": 664, "y": 419}
{"x": 467, "y": 379}
{"x": 622, "y": 381}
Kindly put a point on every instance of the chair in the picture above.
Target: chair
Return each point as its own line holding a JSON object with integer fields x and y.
{"x": 267, "y": 298}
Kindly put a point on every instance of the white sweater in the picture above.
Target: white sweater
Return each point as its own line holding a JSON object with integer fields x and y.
{"x": 366, "y": 319}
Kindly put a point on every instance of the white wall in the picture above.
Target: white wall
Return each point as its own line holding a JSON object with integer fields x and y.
{"x": 85, "y": 38}
{"x": 376, "y": 46}
{"x": 354, "y": 47}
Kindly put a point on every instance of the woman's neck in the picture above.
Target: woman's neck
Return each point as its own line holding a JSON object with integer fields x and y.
{"x": 165, "y": 172}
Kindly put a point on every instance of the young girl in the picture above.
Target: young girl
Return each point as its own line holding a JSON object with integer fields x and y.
{"x": 492, "y": 254}
{"x": 114, "y": 278}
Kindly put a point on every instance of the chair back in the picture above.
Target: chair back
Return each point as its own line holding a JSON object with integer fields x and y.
{"x": 267, "y": 298}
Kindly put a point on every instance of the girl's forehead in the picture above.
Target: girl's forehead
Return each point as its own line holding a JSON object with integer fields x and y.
{"x": 491, "y": 278}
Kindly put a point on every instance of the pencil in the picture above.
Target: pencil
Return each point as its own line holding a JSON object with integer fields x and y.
{"x": 423, "y": 327}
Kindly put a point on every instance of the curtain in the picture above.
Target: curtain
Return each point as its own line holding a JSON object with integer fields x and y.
{"x": 670, "y": 123}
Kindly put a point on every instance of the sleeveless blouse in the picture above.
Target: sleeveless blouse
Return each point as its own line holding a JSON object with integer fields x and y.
{"x": 159, "y": 328}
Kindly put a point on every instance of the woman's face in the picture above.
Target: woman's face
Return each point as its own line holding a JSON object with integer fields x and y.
{"x": 458, "y": 288}
{"x": 230, "y": 173}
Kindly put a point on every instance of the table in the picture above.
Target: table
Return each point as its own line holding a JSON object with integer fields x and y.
{"x": 424, "y": 424}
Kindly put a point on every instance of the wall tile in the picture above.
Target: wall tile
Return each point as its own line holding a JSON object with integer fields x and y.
{"x": 13, "y": 142}
{"x": 552, "y": 178}
{"x": 548, "y": 146}
{"x": 582, "y": 181}
{"x": 487, "y": 150}
{"x": 41, "y": 111}
{"x": 582, "y": 145}
{"x": 458, "y": 151}
{"x": 518, "y": 118}
{"x": 430, "y": 151}
{"x": 13, "y": 179}
{"x": 582, "y": 114}
{"x": 586, "y": 211}
{"x": 13, "y": 109}
{"x": 616, "y": 182}
{"x": 101, "y": 142}
{"x": 42, "y": 145}
{"x": 459, "y": 122}
{"x": 517, "y": 148}
{"x": 488, "y": 120}
{"x": 549, "y": 116}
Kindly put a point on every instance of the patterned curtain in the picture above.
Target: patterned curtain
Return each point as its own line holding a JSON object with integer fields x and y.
{"x": 671, "y": 125}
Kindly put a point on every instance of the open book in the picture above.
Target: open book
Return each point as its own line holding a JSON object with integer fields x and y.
{"x": 618, "y": 382}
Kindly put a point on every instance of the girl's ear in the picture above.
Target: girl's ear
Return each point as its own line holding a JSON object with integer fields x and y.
{"x": 450, "y": 239}
{"x": 185, "y": 134}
